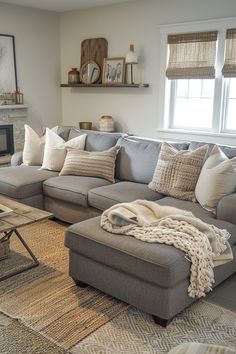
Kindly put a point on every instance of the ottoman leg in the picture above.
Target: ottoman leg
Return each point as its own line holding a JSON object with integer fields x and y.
{"x": 161, "y": 321}
{"x": 79, "y": 283}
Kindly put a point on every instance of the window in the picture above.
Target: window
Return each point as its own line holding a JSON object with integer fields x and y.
{"x": 200, "y": 78}
{"x": 229, "y": 73}
{"x": 192, "y": 104}
{"x": 230, "y": 102}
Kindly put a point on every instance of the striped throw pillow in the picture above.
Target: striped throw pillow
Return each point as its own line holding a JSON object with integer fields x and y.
{"x": 91, "y": 163}
{"x": 177, "y": 172}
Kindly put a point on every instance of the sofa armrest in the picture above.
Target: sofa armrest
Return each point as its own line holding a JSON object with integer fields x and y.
{"x": 17, "y": 158}
{"x": 226, "y": 208}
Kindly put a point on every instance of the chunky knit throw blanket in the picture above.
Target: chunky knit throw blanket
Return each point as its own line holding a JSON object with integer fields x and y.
{"x": 205, "y": 245}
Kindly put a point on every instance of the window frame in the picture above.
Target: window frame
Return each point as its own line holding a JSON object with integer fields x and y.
{"x": 218, "y": 133}
{"x": 172, "y": 103}
{"x": 225, "y": 108}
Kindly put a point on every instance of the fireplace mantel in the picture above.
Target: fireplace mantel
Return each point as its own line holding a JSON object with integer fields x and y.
{"x": 13, "y": 106}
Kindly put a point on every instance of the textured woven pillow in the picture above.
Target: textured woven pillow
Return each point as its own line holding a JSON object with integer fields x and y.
{"x": 91, "y": 163}
{"x": 177, "y": 172}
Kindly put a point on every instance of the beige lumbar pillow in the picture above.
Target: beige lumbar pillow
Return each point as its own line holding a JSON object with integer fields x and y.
{"x": 55, "y": 150}
{"x": 91, "y": 164}
{"x": 217, "y": 179}
{"x": 34, "y": 147}
{"x": 177, "y": 172}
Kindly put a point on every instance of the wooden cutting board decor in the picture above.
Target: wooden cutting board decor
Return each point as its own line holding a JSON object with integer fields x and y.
{"x": 95, "y": 49}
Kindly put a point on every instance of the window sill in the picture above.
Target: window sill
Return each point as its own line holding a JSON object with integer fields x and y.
{"x": 188, "y": 135}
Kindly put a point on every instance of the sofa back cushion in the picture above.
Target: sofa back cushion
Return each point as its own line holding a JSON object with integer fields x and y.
{"x": 96, "y": 141}
{"x": 229, "y": 151}
{"x": 64, "y": 131}
{"x": 138, "y": 157}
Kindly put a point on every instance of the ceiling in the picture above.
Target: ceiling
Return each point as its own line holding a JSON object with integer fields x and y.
{"x": 63, "y": 5}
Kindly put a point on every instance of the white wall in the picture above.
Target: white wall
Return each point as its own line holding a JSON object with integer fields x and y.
{"x": 135, "y": 111}
{"x": 38, "y": 60}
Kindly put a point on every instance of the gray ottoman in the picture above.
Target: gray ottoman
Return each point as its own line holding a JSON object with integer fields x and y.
{"x": 152, "y": 277}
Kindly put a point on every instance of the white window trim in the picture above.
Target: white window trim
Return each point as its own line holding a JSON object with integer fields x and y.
{"x": 218, "y": 134}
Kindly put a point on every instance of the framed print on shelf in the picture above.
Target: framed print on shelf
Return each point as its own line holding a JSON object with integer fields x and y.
{"x": 113, "y": 71}
{"x": 8, "y": 77}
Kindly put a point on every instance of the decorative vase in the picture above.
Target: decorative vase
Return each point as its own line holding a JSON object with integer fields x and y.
{"x": 106, "y": 124}
{"x": 73, "y": 76}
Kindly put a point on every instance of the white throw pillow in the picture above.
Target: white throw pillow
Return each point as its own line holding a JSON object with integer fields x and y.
{"x": 217, "y": 179}
{"x": 55, "y": 149}
{"x": 34, "y": 147}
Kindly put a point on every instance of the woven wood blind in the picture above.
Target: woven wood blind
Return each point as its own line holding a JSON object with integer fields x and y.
{"x": 229, "y": 68}
{"x": 192, "y": 55}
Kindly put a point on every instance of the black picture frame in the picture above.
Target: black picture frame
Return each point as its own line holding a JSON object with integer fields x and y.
{"x": 12, "y": 39}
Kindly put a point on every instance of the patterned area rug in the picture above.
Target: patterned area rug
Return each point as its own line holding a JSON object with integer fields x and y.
{"x": 55, "y": 317}
{"x": 45, "y": 299}
{"x": 134, "y": 332}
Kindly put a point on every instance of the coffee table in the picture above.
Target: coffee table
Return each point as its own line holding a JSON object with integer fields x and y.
{"x": 22, "y": 215}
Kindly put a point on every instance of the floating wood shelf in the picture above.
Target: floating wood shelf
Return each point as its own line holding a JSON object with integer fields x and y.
{"x": 107, "y": 85}
{"x": 13, "y": 106}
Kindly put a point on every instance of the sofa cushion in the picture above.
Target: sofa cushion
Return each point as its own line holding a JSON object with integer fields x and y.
{"x": 159, "y": 264}
{"x": 64, "y": 131}
{"x": 138, "y": 157}
{"x": 202, "y": 214}
{"x": 96, "y": 141}
{"x": 104, "y": 197}
{"x": 23, "y": 181}
{"x": 229, "y": 151}
{"x": 73, "y": 189}
{"x": 17, "y": 158}
{"x": 226, "y": 209}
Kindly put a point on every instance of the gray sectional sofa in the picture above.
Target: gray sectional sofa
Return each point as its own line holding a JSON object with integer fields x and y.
{"x": 153, "y": 277}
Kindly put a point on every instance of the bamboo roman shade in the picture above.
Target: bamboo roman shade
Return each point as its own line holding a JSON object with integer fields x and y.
{"x": 229, "y": 68}
{"x": 192, "y": 55}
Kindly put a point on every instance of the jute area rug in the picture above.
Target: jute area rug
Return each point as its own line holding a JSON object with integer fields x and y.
{"x": 54, "y": 316}
{"x": 45, "y": 299}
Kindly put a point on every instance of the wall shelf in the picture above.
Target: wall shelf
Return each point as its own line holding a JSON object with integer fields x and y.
{"x": 106, "y": 85}
{"x": 13, "y": 106}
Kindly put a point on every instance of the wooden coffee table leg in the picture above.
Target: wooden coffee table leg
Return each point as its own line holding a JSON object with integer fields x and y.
{"x": 28, "y": 249}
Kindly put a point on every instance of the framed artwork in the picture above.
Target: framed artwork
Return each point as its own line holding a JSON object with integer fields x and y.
{"x": 113, "y": 71}
{"x": 8, "y": 77}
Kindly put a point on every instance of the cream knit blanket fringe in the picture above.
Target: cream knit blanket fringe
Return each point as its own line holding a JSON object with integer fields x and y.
{"x": 202, "y": 243}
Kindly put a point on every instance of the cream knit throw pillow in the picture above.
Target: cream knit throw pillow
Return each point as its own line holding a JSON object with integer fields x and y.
{"x": 177, "y": 172}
